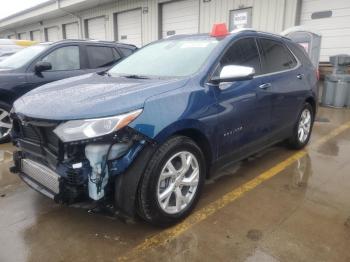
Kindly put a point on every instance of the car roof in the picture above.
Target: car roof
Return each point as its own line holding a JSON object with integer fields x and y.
{"x": 232, "y": 34}
{"x": 82, "y": 41}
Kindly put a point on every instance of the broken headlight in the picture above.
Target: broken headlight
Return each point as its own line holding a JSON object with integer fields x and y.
{"x": 76, "y": 130}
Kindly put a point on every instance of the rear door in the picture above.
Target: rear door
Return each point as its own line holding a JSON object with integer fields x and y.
{"x": 179, "y": 17}
{"x": 96, "y": 28}
{"x": 129, "y": 27}
{"x": 52, "y": 34}
{"x": 283, "y": 79}
{"x": 71, "y": 31}
{"x": 66, "y": 61}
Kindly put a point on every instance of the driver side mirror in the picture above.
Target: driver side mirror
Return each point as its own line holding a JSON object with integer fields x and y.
{"x": 42, "y": 66}
{"x": 230, "y": 73}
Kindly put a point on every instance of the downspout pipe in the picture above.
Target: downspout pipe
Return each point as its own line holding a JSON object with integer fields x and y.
{"x": 74, "y": 15}
{"x": 298, "y": 12}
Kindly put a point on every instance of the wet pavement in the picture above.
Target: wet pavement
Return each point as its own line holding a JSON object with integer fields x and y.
{"x": 301, "y": 214}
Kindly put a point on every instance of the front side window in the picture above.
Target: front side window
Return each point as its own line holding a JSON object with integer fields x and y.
{"x": 244, "y": 52}
{"x": 276, "y": 56}
{"x": 167, "y": 58}
{"x": 64, "y": 58}
{"x": 101, "y": 56}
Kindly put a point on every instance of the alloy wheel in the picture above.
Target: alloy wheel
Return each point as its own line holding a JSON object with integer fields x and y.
{"x": 178, "y": 182}
{"x": 5, "y": 123}
{"x": 304, "y": 127}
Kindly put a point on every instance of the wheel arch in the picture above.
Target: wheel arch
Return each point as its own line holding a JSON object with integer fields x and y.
{"x": 7, "y": 96}
{"x": 202, "y": 141}
{"x": 312, "y": 102}
{"x": 194, "y": 130}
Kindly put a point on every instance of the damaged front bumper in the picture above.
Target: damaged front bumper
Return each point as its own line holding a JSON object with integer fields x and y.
{"x": 74, "y": 172}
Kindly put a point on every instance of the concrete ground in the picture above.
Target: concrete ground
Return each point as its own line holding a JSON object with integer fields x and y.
{"x": 279, "y": 205}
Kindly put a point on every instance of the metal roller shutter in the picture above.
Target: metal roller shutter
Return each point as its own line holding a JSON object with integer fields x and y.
{"x": 22, "y": 36}
{"x": 96, "y": 28}
{"x": 71, "y": 31}
{"x": 52, "y": 34}
{"x": 332, "y": 20}
{"x": 35, "y": 35}
{"x": 129, "y": 27}
{"x": 180, "y": 17}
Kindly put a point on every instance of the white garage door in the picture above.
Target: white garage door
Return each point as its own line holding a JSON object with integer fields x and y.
{"x": 52, "y": 34}
{"x": 332, "y": 20}
{"x": 96, "y": 28}
{"x": 35, "y": 35}
{"x": 129, "y": 27}
{"x": 180, "y": 17}
{"x": 71, "y": 31}
{"x": 22, "y": 36}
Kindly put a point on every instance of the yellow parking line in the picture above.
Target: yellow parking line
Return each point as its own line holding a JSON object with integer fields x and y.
{"x": 200, "y": 215}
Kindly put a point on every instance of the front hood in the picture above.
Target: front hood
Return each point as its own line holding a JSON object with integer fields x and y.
{"x": 91, "y": 96}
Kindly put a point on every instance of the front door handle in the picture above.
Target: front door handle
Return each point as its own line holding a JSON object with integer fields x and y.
{"x": 265, "y": 86}
{"x": 300, "y": 76}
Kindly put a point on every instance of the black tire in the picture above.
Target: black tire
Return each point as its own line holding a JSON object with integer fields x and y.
{"x": 6, "y": 107}
{"x": 148, "y": 206}
{"x": 294, "y": 142}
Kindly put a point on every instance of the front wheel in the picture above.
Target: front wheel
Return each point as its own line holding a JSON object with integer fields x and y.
{"x": 5, "y": 123}
{"x": 172, "y": 182}
{"x": 303, "y": 128}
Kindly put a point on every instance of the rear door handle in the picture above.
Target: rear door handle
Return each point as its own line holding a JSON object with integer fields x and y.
{"x": 265, "y": 86}
{"x": 300, "y": 76}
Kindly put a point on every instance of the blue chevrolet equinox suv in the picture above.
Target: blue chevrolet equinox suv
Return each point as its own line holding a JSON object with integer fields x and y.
{"x": 147, "y": 133}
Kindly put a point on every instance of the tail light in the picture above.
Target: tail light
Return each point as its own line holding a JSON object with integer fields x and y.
{"x": 318, "y": 74}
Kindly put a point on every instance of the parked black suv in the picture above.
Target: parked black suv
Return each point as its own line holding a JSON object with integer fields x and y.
{"x": 48, "y": 62}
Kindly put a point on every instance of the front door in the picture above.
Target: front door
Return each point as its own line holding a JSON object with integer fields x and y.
{"x": 244, "y": 108}
{"x": 65, "y": 62}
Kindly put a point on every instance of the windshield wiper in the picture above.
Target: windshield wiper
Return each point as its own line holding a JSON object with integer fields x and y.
{"x": 136, "y": 76}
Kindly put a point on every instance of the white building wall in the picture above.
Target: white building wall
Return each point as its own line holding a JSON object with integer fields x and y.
{"x": 335, "y": 30}
{"x": 268, "y": 15}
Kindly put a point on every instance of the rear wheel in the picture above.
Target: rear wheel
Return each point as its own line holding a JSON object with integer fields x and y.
{"x": 5, "y": 123}
{"x": 303, "y": 128}
{"x": 172, "y": 183}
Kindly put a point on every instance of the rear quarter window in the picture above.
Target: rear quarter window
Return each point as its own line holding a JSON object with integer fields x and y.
{"x": 126, "y": 51}
{"x": 300, "y": 53}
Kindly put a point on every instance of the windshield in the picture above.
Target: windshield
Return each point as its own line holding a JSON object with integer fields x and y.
{"x": 170, "y": 58}
{"x": 22, "y": 57}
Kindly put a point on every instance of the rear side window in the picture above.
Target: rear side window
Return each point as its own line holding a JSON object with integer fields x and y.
{"x": 244, "y": 52}
{"x": 276, "y": 56}
{"x": 102, "y": 56}
{"x": 126, "y": 51}
{"x": 64, "y": 58}
{"x": 299, "y": 52}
